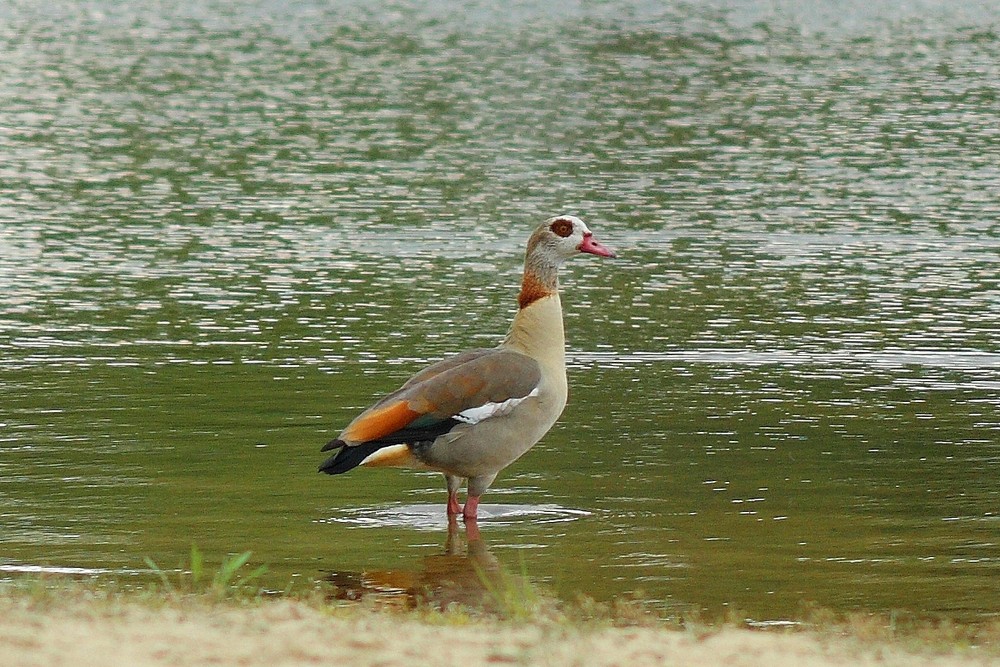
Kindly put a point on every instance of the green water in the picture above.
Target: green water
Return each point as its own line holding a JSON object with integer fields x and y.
{"x": 224, "y": 229}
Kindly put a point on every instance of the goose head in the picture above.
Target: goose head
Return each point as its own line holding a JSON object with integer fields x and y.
{"x": 562, "y": 237}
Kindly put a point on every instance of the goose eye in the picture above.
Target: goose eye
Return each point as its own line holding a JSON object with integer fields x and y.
{"x": 562, "y": 227}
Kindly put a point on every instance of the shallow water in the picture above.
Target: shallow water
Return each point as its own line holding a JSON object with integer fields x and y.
{"x": 224, "y": 230}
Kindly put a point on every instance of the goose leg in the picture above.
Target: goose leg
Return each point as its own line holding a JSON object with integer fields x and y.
{"x": 454, "y": 483}
{"x": 471, "y": 511}
{"x": 477, "y": 487}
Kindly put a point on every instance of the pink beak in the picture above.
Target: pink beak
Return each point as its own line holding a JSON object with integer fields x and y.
{"x": 594, "y": 247}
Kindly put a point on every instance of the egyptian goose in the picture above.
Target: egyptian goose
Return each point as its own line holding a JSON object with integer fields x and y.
{"x": 473, "y": 414}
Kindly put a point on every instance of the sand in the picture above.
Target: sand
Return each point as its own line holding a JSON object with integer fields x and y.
{"x": 274, "y": 633}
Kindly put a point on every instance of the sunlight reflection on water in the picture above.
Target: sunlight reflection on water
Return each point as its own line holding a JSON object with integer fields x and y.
{"x": 433, "y": 517}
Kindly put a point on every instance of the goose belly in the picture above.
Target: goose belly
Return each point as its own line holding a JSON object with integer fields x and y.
{"x": 484, "y": 448}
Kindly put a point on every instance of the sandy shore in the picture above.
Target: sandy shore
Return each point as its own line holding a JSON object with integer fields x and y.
{"x": 286, "y": 632}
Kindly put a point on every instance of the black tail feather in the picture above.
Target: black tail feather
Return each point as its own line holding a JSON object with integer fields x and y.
{"x": 349, "y": 457}
{"x": 336, "y": 443}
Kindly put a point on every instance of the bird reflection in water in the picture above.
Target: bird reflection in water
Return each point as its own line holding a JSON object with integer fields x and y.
{"x": 466, "y": 574}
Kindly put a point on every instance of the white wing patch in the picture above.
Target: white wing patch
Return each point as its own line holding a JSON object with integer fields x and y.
{"x": 490, "y": 410}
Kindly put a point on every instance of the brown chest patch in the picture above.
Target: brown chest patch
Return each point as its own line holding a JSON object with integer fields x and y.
{"x": 532, "y": 289}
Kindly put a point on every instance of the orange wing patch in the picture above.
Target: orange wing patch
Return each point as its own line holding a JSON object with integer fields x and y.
{"x": 381, "y": 422}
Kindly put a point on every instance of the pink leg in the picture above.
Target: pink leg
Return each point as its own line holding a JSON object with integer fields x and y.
{"x": 453, "y": 506}
{"x": 471, "y": 512}
{"x": 454, "y": 484}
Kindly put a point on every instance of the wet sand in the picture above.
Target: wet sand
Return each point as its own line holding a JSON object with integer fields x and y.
{"x": 146, "y": 632}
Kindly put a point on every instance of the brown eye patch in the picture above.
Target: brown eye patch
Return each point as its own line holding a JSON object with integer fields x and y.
{"x": 562, "y": 227}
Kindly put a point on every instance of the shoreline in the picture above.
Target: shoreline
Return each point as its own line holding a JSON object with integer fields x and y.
{"x": 47, "y": 627}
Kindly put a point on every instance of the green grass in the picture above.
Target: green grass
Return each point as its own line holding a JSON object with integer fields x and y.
{"x": 228, "y": 579}
{"x": 512, "y": 597}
